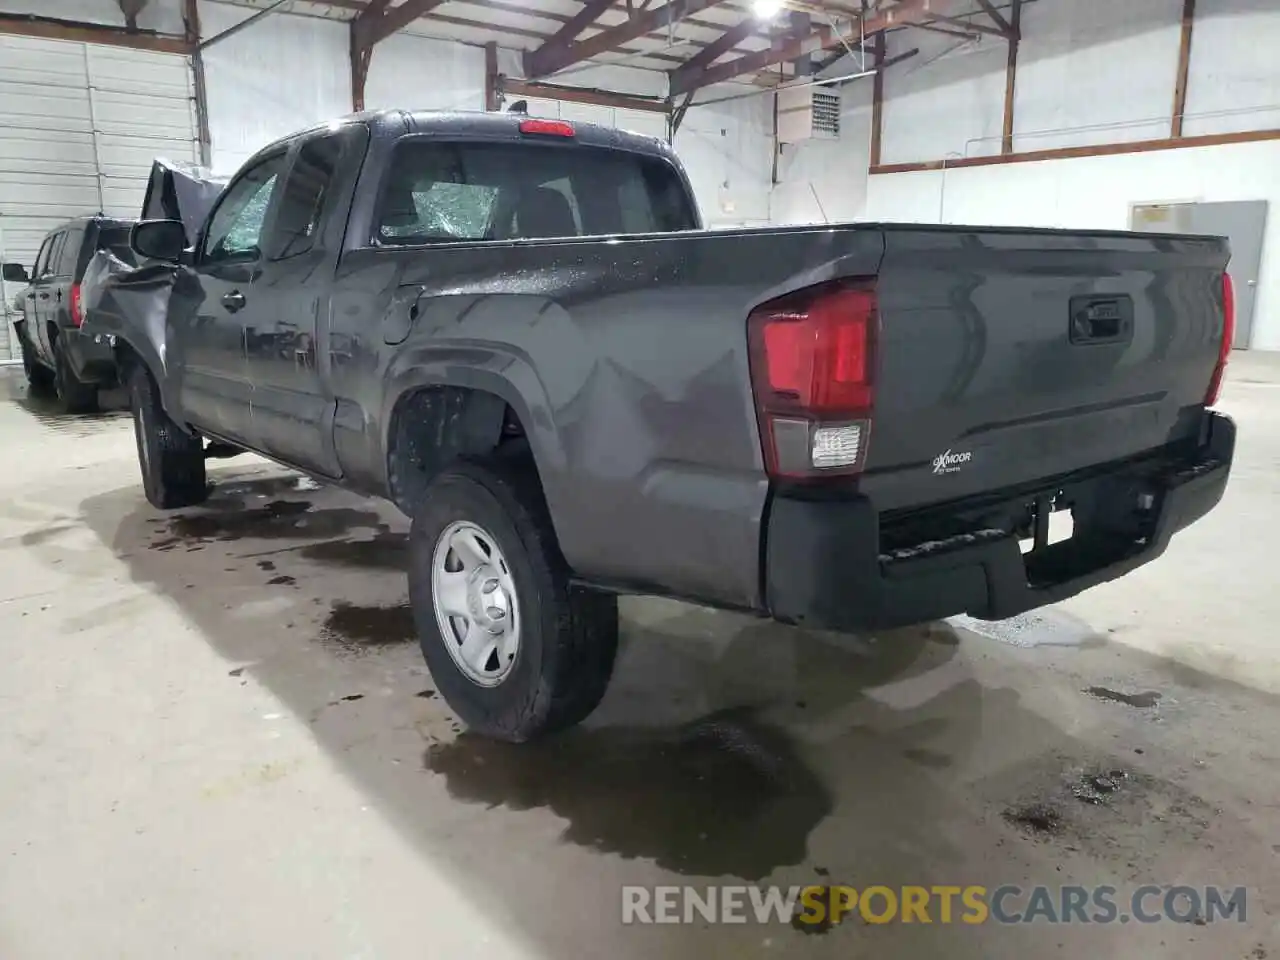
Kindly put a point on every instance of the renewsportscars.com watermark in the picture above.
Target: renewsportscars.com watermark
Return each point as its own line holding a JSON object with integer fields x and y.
{"x": 828, "y": 905}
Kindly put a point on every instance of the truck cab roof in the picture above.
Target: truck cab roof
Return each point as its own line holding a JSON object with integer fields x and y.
{"x": 393, "y": 124}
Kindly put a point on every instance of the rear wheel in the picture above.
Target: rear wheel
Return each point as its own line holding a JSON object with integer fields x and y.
{"x": 172, "y": 460}
{"x": 39, "y": 377}
{"x": 74, "y": 394}
{"x": 515, "y": 650}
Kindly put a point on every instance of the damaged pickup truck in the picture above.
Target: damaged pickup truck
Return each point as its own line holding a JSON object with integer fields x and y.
{"x": 517, "y": 331}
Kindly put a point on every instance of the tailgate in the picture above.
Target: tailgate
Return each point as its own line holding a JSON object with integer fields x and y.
{"x": 1008, "y": 356}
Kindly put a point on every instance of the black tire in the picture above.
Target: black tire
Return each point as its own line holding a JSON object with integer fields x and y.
{"x": 74, "y": 394}
{"x": 569, "y": 635}
{"x": 172, "y": 460}
{"x": 39, "y": 377}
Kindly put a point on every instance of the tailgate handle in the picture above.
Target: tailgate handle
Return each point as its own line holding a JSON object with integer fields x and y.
{"x": 1103, "y": 318}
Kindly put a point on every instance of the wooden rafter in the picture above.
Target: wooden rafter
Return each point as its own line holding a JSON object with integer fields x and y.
{"x": 379, "y": 20}
{"x": 1184, "y": 67}
{"x": 822, "y": 38}
{"x": 28, "y": 25}
{"x": 717, "y": 48}
{"x": 877, "y": 100}
{"x": 541, "y": 64}
{"x": 1011, "y": 77}
{"x": 1006, "y": 27}
{"x": 563, "y": 39}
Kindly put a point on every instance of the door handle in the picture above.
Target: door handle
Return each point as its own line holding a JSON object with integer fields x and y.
{"x": 233, "y": 301}
{"x": 59, "y": 296}
{"x": 44, "y": 296}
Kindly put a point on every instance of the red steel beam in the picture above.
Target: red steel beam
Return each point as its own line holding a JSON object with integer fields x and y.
{"x": 541, "y": 64}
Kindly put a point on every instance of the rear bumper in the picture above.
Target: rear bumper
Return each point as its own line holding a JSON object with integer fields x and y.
{"x": 92, "y": 357}
{"x": 825, "y": 568}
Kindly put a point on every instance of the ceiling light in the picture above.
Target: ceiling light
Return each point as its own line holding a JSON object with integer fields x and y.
{"x": 766, "y": 9}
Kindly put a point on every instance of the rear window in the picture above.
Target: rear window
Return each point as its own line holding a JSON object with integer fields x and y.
{"x": 450, "y": 192}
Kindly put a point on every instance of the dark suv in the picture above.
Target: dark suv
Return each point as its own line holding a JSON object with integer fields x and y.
{"x": 55, "y": 353}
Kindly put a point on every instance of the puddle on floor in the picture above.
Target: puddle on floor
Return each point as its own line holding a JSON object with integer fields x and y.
{"x": 384, "y": 551}
{"x": 360, "y": 627}
{"x": 726, "y": 795}
{"x": 277, "y": 520}
{"x": 1143, "y": 701}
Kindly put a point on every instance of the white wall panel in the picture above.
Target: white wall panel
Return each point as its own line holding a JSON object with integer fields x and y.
{"x": 415, "y": 73}
{"x": 1095, "y": 71}
{"x": 1234, "y": 71}
{"x": 1096, "y": 193}
{"x": 824, "y": 181}
{"x": 280, "y": 75}
{"x": 727, "y": 150}
{"x": 950, "y": 93}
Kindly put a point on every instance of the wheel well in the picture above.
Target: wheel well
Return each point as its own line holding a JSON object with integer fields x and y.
{"x": 433, "y": 427}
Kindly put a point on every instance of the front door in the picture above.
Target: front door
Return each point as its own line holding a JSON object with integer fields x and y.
{"x": 216, "y": 390}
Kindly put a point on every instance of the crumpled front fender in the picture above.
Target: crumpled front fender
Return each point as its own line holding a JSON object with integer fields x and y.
{"x": 139, "y": 306}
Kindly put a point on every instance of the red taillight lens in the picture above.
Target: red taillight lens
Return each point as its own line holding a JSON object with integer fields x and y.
{"x": 77, "y": 315}
{"x": 1228, "y": 336}
{"x": 547, "y": 128}
{"x": 811, "y": 363}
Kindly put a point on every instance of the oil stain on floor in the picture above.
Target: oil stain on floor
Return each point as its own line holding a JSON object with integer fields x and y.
{"x": 384, "y": 551}
{"x": 726, "y": 795}
{"x": 360, "y": 627}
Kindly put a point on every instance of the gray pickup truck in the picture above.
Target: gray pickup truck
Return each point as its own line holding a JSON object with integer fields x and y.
{"x": 517, "y": 331}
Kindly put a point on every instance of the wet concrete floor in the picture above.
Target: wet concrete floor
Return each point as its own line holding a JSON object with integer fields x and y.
{"x": 222, "y": 740}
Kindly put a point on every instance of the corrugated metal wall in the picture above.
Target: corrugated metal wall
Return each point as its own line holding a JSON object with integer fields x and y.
{"x": 79, "y": 127}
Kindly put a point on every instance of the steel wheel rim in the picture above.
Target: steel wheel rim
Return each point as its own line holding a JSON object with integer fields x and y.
{"x": 475, "y": 603}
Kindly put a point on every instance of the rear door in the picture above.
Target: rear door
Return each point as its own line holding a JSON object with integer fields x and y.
{"x": 292, "y": 405}
{"x": 41, "y": 295}
{"x": 1009, "y": 356}
{"x": 65, "y": 263}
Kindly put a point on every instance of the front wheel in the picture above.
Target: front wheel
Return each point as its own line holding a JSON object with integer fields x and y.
{"x": 514, "y": 649}
{"x": 172, "y": 460}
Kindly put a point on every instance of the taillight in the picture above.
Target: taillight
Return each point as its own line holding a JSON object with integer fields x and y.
{"x": 812, "y": 359}
{"x": 1228, "y": 335}
{"x": 547, "y": 128}
{"x": 77, "y": 315}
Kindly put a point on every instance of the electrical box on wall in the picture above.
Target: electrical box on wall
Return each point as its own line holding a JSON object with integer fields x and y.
{"x": 808, "y": 113}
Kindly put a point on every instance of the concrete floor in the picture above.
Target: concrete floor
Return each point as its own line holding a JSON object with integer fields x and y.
{"x": 219, "y": 741}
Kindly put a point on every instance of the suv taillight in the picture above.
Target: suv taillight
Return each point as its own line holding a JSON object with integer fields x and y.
{"x": 812, "y": 368}
{"x": 1228, "y": 335}
{"x": 74, "y": 306}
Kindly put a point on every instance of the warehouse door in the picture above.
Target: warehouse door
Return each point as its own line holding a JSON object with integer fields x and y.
{"x": 80, "y": 124}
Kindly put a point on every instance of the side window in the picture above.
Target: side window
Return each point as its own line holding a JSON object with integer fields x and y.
{"x": 65, "y": 265}
{"x": 302, "y": 199}
{"x": 42, "y": 258}
{"x": 235, "y": 230}
{"x": 54, "y": 251}
{"x": 431, "y": 196}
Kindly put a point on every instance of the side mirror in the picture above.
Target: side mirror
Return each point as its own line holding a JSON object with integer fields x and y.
{"x": 159, "y": 240}
{"x": 15, "y": 273}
